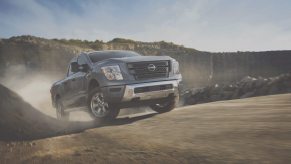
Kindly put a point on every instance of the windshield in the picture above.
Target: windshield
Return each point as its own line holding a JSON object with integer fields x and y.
{"x": 102, "y": 55}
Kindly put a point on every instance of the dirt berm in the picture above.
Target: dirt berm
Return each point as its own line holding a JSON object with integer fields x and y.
{"x": 252, "y": 130}
{"x": 20, "y": 121}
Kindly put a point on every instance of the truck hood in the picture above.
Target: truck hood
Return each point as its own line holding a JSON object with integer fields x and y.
{"x": 136, "y": 59}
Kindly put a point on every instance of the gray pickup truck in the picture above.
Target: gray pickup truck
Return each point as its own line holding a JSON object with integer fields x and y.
{"x": 106, "y": 81}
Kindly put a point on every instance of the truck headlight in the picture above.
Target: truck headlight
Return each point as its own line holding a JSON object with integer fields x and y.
{"x": 112, "y": 72}
{"x": 175, "y": 66}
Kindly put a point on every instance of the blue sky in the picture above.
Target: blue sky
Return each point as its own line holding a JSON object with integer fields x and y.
{"x": 209, "y": 25}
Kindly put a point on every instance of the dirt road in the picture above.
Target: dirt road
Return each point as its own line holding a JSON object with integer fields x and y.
{"x": 254, "y": 130}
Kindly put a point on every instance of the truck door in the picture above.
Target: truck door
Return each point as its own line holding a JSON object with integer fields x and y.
{"x": 79, "y": 83}
{"x": 68, "y": 84}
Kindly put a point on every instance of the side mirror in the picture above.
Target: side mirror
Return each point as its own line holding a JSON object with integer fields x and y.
{"x": 74, "y": 67}
{"x": 84, "y": 68}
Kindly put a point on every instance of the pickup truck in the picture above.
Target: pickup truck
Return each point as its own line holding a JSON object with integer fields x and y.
{"x": 106, "y": 81}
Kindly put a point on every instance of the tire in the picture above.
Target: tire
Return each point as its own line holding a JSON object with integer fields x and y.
{"x": 60, "y": 111}
{"x": 99, "y": 109}
{"x": 167, "y": 106}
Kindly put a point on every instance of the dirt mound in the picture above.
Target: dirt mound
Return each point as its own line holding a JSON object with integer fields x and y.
{"x": 20, "y": 121}
{"x": 247, "y": 87}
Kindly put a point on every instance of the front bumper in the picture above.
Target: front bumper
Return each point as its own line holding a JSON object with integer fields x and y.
{"x": 141, "y": 91}
{"x": 153, "y": 90}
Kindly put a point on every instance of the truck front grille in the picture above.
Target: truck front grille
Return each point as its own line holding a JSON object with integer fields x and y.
{"x": 149, "y": 70}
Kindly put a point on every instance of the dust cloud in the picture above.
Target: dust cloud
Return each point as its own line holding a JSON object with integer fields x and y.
{"x": 34, "y": 88}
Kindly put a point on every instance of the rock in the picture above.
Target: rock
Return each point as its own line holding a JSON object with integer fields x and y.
{"x": 215, "y": 97}
{"x": 260, "y": 82}
{"x": 248, "y": 94}
{"x": 247, "y": 79}
{"x": 229, "y": 87}
{"x": 237, "y": 94}
{"x": 226, "y": 95}
{"x": 273, "y": 90}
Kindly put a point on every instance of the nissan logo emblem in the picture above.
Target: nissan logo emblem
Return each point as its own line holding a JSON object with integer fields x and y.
{"x": 151, "y": 67}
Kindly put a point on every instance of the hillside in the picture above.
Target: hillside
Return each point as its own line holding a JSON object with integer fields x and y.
{"x": 198, "y": 68}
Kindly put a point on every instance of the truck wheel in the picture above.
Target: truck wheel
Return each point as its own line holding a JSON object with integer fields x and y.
{"x": 166, "y": 106}
{"x": 99, "y": 109}
{"x": 60, "y": 111}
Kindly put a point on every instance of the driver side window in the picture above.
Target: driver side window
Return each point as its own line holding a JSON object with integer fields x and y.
{"x": 70, "y": 69}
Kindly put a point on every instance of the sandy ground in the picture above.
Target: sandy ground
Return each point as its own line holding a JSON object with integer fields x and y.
{"x": 254, "y": 130}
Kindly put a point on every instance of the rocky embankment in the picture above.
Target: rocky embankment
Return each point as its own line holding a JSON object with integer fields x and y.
{"x": 247, "y": 87}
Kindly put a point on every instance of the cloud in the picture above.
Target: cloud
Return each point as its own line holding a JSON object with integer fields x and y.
{"x": 216, "y": 25}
